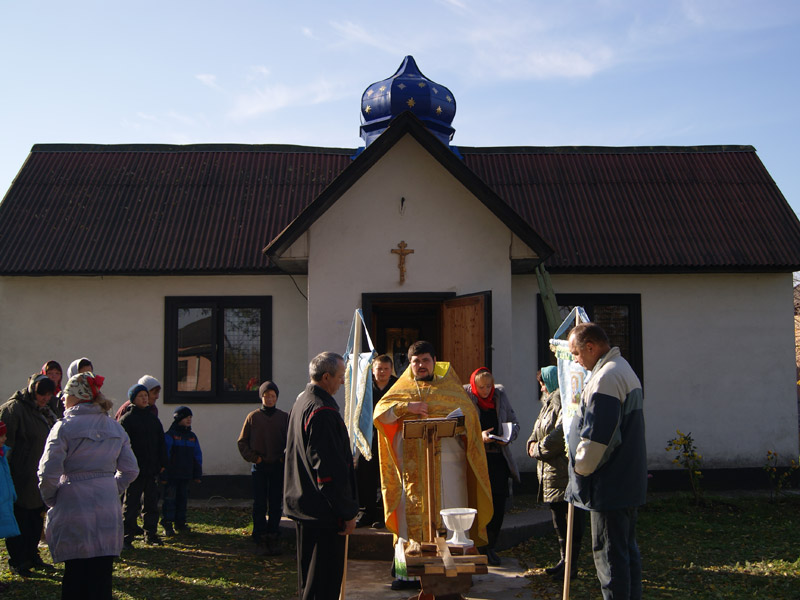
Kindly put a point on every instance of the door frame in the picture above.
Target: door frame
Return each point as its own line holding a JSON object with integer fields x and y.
{"x": 369, "y": 300}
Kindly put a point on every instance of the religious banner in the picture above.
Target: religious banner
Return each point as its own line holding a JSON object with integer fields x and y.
{"x": 571, "y": 376}
{"x": 358, "y": 388}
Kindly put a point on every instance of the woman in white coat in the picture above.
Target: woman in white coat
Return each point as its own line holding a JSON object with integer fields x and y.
{"x": 86, "y": 465}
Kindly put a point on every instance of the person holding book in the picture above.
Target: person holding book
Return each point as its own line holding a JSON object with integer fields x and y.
{"x": 499, "y": 427}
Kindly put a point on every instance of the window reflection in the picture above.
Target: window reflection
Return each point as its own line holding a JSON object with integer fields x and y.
{"x": 195, "y": 345}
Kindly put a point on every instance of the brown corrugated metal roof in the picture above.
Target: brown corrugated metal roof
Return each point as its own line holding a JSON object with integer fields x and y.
{"x": 640, "y": 209}
{"x": 141, "y": 209}
{"x": 156, "y": 209}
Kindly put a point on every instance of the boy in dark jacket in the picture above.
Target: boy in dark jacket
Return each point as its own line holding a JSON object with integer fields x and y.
{"x": 148, "y": 445}
{"x": 262, "y": 443}
{"x": 184, "y": 464}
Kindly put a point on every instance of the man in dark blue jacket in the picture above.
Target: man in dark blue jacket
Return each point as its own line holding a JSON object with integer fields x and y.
{"x": 319, "y": 482}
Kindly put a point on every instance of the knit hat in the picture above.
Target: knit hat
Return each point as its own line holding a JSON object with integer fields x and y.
{"x": 265, "y": 387}
{"x": 149, "y": 382}
{"x": 3, "y": 428}
{"x": 181, "y": 413}
{"x": 550, "y": 378}
{"x": 134, "y": 391}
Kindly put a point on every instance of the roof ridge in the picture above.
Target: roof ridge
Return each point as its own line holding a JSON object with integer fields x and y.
{"x": 604, "y": 149}
{"x": 225, "y": 147}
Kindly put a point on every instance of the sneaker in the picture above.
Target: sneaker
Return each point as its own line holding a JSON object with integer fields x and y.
{"x": 39, "y": 564}
{"x": 378, "y": 525}
{"x": 272, "y": 545}
{"x": 21, "y": 571}
{"x": 556, "y": 570}
{"x": 152, "y": 539}
{"x": 127, "y": 544}
{"x": 168, "y": 530}
{"x": 406, "y": 584}
{"x": 182, "y": 528}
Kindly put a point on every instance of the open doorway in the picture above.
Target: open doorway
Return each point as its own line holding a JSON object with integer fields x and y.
{"x": 459, "y": 327}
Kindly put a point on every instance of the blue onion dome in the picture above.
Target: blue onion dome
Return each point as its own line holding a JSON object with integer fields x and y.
{"x": 407, "y": 89}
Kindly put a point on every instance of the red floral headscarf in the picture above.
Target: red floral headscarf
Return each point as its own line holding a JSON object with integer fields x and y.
{"x": 84, "y": 386}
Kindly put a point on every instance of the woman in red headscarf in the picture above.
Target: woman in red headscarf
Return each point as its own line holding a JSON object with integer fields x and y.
{"x": 499, "y": 427}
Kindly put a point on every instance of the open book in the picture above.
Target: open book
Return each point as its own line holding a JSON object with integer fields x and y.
{"x": 505, "y": 436}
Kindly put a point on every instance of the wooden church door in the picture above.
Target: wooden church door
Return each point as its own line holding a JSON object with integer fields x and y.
{"x": 467, "y": 333}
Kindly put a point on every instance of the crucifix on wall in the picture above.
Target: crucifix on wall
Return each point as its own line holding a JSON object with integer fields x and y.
{"x": 402, "y": 252}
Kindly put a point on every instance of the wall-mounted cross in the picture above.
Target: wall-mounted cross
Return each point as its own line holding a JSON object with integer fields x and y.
{"x": 402, "y": 253}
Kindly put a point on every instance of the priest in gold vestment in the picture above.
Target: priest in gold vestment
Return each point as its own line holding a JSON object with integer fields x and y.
{"x": 430, "y": 389}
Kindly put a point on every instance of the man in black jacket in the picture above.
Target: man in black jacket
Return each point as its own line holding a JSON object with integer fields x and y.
{"x": 319, "y": 483}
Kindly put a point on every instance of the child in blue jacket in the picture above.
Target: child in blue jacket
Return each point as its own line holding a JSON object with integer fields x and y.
{"x": 184, "y": 464}
{"x": 8, "y": 495}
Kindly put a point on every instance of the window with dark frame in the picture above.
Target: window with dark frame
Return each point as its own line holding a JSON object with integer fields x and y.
{"x": 620, "y": 315}
{"x": 216, "y": 349}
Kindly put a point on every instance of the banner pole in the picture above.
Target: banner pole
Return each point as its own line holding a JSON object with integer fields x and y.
{"x": 354, "y": 373}
{"x": 570, "y": 525}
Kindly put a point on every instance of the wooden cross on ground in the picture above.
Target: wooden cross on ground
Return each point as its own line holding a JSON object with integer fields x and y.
{"x": 402, "y": 253}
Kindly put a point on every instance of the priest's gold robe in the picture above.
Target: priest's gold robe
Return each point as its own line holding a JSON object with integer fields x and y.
{"x": 402, "y": 462}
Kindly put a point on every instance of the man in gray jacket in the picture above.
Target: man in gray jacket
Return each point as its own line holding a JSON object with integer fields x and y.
{"x": 608, "y": 460}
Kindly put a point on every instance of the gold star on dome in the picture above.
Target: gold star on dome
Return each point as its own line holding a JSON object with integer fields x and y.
{"x": 435, "y": 91}
{"x": 382, "y": 88}
{"x": 368, "y": 109}
{"x": 402, "y": 86}
{"x": 410, "y": 103}
{"x": 421, "y": 84}
{"x": 370, "y": 92}
{"x": 438, "y": 110}
{"x": 448, "y": 98}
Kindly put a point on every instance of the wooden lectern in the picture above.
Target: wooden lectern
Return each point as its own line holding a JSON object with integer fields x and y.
{"x": 442, "y": 575}
{"x": 428, "y": 430}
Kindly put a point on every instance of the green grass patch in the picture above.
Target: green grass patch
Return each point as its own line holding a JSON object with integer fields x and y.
{"x": 729, "y": 547}
{"x": 743, "y": 546}
{"x": 216, "y": 560}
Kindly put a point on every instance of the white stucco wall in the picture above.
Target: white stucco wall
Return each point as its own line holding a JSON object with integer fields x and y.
{"x": 459, "y": 246}
{"x": 718, "y": 361}
{"x": 118, "y": 322}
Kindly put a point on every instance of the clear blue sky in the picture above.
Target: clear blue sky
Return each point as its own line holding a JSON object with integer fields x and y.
{"x": 538, "y": 73}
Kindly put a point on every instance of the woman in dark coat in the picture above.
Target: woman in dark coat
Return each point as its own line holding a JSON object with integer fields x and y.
{"x": 28, "y": 417}
{"x": 546, "y": 445}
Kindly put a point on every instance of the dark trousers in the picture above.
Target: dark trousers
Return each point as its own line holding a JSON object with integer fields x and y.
{"x": 616, "y": 554}
{"x": 320, "y": 561}
{"x": 267, "y": 498}
{"x": 368, "y": 478}
{"x": 498, "y": 478}
{"x": 23, "y": 549}
{"x": 141, "y": 495}
{"x": 558, "y": 510}
{"x": 176, "y": 497}
{"x": 87, "y": 578}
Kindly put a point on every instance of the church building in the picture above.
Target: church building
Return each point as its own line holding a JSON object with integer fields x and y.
{"x": 214, "y": 267}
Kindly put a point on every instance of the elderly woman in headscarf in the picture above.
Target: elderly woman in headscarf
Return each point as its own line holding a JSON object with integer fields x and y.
{"x": 28, "y": 418}
{"x": 495, "y": 410}
{"x": 546, "y": 444}
{"x": 86, "y": 465}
